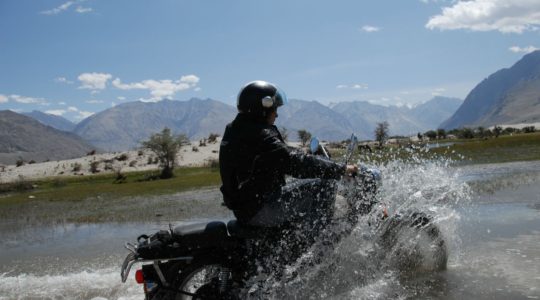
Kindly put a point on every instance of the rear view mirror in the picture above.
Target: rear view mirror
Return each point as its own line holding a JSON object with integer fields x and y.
{"x": 314, "y": 144}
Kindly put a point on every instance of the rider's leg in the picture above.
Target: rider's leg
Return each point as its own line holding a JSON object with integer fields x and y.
{"x": 304, "y": 200}
{"x": 300, "y": 210}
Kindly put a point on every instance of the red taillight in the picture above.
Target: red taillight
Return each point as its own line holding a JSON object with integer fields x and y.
{"x": 139, "y": 277}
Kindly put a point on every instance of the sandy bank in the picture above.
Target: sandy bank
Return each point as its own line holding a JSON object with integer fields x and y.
{"x": 126, "y": 161}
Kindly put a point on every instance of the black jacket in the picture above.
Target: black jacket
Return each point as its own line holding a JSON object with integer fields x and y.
{"x": 254, "y": 160}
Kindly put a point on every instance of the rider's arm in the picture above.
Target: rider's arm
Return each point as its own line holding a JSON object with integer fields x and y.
{"x": 277, "y": 155}
{"x": 311, "y": 166}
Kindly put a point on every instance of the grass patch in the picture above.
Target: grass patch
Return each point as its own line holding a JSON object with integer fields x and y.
{"x": 508, "y": 148}
{"x": 103, "y": 186}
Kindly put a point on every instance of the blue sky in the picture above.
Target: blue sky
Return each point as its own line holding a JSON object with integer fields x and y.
{"x": 74, "y": 58}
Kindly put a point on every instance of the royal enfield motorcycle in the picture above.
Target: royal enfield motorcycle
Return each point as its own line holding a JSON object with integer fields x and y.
{"x": 223, "y": 259}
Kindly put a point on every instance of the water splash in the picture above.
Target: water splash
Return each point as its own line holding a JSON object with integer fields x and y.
{"x": 359, "y": 267}
{"x": 96, "y": 284}
{"x": 355, "y": 268}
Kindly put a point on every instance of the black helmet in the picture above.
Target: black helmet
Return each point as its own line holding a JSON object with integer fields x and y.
{"x": 257, "y": 98}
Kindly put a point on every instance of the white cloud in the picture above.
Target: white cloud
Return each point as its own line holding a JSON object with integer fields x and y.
{"x": 94, "y": 81}
{"x": 83, "y": 10}
{"x": 368, "y": 28}
{"x": 121, "y": 98}
{"x": 63, "y": 80}
{"x": 197, "y": 89}
{"x": 356, "y": 86}
{"x": 506, "y": 16}
{"x": 129, "y": 86}
{"x": 517, "y": 49}
{"x": 159, "y": 89}
{"x": 4, "y": 99}
{"x": 438, "y": 91}
{"x": 359, "y": 86}
{"x": 56, "y": 112}
{"x": 66, "y": 6}
{"x": 27, "y": 100}
{"x": 192, "y": 79}
{"x": 84, "y": 114}
{"x": 94, "y": 101}
{"x": 435, "y": 1}
{"x": 63, "y": 7}
{"x": 62, "y": 103}
{"x": 81, "y": 114}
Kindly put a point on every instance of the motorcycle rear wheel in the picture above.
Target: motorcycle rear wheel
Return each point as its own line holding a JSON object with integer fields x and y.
{"x": 199, "y": 280}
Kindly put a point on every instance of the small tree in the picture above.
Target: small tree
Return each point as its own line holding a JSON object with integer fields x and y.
{"x": 166, "y": 146}
{"x": 529, "y": 129}
{"x": 431, "y": 134}
{"x": 497, "y": 130}
{"x": 212, "y": 138}
{"x": 304, "y": 136}
{"x": 466, "y": 133}
{"x": 381, "y": 133}
{"x": 441, "y": 133}
{"x": 481, "y": 131}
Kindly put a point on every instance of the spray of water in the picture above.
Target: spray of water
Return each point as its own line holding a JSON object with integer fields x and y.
{"x": 373, "y": 261}
{"x": 96, "y": 284}
{"x": 358, "y": 267}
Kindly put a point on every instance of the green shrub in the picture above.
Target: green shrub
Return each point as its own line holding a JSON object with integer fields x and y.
{"x": 122, "y": 157}
{"x": 120, "y": 178}
{"x": 19, "y": 162}
{"x": 76, "y": 167}
{"x": 94, "y": 167}
{"x": 212, "y": 163}
{"x": 212, "y": 138}
{"x": 57, "y": 182}
{"x": 21, "y": 185}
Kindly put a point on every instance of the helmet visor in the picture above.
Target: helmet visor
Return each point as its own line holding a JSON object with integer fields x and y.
{"x": 280, "y": 98}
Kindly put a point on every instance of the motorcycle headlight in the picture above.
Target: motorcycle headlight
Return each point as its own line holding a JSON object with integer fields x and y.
{"x": 376, "y": 175}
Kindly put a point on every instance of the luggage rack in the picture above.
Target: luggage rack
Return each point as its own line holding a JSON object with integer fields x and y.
{"x": 133, "y": 258}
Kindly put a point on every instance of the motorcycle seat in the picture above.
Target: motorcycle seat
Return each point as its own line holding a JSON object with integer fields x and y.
{"x": 214, "y": 227}
{"x": 208, "y": 228}
{"x": 236, "y": 229}
{"x": 202, "y": 235}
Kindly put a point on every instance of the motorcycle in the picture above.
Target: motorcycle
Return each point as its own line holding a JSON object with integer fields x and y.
{"x": 221, "y": 259}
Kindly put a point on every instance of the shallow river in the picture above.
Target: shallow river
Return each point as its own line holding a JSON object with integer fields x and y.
{"x": 489, "y": 216}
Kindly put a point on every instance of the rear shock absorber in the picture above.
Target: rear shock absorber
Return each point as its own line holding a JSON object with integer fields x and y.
{"x": 225, "y": 279}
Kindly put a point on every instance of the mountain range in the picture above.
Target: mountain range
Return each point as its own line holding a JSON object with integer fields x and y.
{"x": 22, "y": 137}
{"x": 508, "y": 96}
{"x": 125, "y": 126}
{"x": 55, "y": 121}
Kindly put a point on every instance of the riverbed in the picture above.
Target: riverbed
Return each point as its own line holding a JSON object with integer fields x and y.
{"x": 489, "y": 215}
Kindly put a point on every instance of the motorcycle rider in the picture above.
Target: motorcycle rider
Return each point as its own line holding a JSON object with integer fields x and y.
{"x": 254, "y": 160}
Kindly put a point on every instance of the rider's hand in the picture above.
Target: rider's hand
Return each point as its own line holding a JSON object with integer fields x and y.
{"x": 351, "y": 170}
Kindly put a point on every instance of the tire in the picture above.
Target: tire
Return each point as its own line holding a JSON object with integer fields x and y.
{"x": 199, "y": 280}
{"x": 412, "y": 244}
